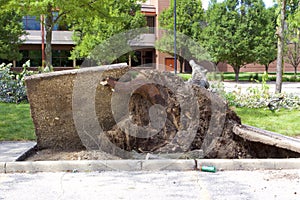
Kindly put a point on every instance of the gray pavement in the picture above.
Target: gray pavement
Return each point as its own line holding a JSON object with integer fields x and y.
{"x": 11, "y": 151}
{"x": 267, "y": 184}
{"x": 287, "y": 87}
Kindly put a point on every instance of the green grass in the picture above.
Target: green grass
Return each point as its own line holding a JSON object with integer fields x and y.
{"x": 185, "y": 77}
{"x": 15, "y": 122}
{"x": 243, "y": 76}
{"x": 284, "y": 121}
{"x": 246, "y": 76}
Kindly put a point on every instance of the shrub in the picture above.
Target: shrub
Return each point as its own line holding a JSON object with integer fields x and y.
{"x": 294, "y": 78}
{"x": 12, "y": 85}
{"x": 259, "y": 97}
{"x": 286, "y": 78}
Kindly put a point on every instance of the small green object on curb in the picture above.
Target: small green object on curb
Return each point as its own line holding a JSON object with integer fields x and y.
{"x": 208, "y": 169}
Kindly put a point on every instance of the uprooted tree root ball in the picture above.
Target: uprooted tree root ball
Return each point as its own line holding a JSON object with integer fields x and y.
{"x": 194, "y": 119}
{"x": 159, "y": 114}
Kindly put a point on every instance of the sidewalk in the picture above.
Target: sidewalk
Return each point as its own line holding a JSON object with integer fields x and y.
{"x": 11, "y": 151}
{"x": 167, "y": 185}
{"x": 287, "y": 87}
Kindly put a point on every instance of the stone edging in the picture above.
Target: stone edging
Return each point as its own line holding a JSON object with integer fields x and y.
{"x": 147, "y": 165}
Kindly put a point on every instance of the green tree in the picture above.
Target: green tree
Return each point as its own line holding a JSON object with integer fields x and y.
{"x": 68, "y": 12}
{"x": 11, "y": 30}
{"x": 293, "y": 37}
{"x": 98, "y": 31}
{"x": 56, "y": 11}
{"x": 266, "y": 50}
{"x": 285, "y": 8}
{"x": 234, "y": 31}
{"x": 190, "y": 20}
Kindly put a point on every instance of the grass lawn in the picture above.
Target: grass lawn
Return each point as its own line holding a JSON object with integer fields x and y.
{"x": 15, "y": 122}
{"x": 285, "y": 122}
{"x": 245, "y": 76}
{"x": 185, "y": 77}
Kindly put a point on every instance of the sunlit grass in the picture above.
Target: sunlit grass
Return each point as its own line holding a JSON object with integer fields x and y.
{"x": 15, "y": 122}
{"x": 243, "y": 76}
{"x": 284, "y": 121}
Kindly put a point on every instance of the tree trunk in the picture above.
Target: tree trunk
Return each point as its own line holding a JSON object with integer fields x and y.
{"x": 49, "y": 27}
{"x": 237, "y": 72}
{"x": 181, "y": 61}
{"x": 280, "y": 33}
{"x": 267, "y": 68}
{"x": 297, "y": 54}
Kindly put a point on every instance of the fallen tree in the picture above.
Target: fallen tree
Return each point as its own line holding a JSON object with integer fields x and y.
{"x": 132, "y": 113}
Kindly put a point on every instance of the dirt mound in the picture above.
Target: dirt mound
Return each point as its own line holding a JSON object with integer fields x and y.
{"x": 160, "y": 114}
{"x": 190, "y": 118}
{"x": 186, "y": 117}
{"x": 49, "y": 154}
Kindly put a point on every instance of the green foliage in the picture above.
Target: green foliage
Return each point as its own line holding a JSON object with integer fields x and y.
{"x": 235, "y": 30}
{"x": 190, "y": 18}
{"x": 245, "y": 76}
{"x": 260, "y": 97}
{"x": 189, "y": 25}
{"x": 11, "y": 30}
{"x": 286, "y": 78}
{"x": 98, "y": 31}
{"x": 293, "y": 36}
{"x": 185, "y": 77}
{"x": 12, "y": 85}
{"x": 15, "y": 122}
{"x": 92, "y": 21}
{"x": 266, "y": 48}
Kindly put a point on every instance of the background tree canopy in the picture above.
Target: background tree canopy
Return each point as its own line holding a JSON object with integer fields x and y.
{"x": 190, "y": 21}
{"x": 93, "y": 21}
{"x": 238, "y": 32}
{"x": 91, "y": 32}
{"x": 11, "y": 29}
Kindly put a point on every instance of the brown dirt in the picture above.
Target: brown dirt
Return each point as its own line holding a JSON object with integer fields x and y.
{"x": 48, "y": 154}
{"x": 209, "y": 119}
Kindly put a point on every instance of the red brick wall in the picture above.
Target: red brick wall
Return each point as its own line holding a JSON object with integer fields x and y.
{"x": 224, "y": 67}
{"x": 160, "y": 5}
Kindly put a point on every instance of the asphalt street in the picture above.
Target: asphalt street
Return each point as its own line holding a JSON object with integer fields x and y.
{"x": 239, "y": 185}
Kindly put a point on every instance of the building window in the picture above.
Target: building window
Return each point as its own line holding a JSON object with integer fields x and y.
{"x": 35, "y": 57}
{"x": 31, "y": 23}
{"x": 150, "y": 23}
{"x": 5, "y": 61}
{"x": 136, "y": 59}
{"x": 144, "y": 57}
{"x": 148, "y": 57}
{"x": 60, "y": 58}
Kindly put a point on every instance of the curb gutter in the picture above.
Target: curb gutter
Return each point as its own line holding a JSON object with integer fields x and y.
{"x": 147, "y": 165}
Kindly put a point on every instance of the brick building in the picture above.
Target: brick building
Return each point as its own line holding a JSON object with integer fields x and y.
{"x": 145, "y": 52}
{"x": 62, "y": 44}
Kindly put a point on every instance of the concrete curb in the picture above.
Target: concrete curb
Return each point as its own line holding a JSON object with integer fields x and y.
{"x": 2, "y": 167}
{"x": 147, "y": 165}
{"x": 251, "y": 164}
